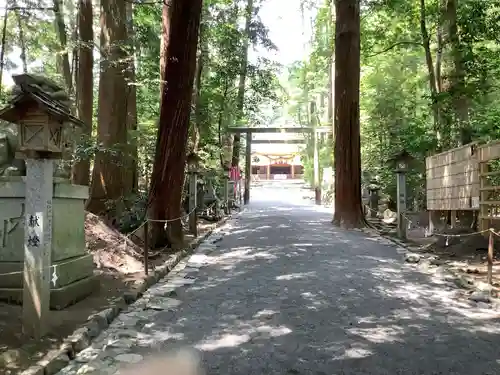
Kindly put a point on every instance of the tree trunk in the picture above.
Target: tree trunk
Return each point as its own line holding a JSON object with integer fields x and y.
{"x": 63, "y": 57}
{"x": 430, "y": 71}
{"x": 200, "y": 69}
{"x": 107, "y": 175}
{"x": 4, "y": 40}
{"x": 181, "y": 21}
{"x": 84, "y": 88}
{"x": 348, "y": 208}
{"x": 330, "y": 74}
{"x": 240, "y": 99}
{"x": 457, "y": 87}
{"x": 130, "y": 176}
{"x": 22, "y": 41}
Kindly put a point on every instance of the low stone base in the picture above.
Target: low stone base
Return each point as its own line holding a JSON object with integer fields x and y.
{"x": 68, "y": 271}
{"x": 60, "y": 297}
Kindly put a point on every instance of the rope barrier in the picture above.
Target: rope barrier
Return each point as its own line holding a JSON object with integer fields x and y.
{"x": 490, "y": 255}
{"x": 410, "y": 223}
{"x": 54, "y": 275}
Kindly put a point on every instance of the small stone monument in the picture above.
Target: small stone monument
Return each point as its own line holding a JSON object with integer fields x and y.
{"x": 373, "y": 189}
{"x": 40, "y": 119}
{"x": 401, "y": 162}
{"x": 193, "y": 163}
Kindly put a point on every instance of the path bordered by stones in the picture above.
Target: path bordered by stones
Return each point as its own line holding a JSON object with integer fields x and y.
{"x": 111, "y": 350}
{"x": 293, "y": 295}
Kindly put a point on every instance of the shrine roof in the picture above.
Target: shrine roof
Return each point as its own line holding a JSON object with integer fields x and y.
{"x": 30, "y": 91}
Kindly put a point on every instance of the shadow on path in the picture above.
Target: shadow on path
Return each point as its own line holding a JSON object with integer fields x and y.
{"x": 287, "y": 293}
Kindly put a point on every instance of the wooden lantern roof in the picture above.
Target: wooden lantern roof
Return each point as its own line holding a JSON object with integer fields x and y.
{"x": 32, "y": 93}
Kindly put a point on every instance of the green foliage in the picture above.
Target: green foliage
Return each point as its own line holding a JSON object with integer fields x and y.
{"x": 396, "y": 103}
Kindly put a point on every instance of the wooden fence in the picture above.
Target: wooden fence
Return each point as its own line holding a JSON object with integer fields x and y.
{"x": 466, "y": 178}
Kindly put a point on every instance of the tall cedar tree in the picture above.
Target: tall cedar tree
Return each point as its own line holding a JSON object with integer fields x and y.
{"x": 107, "y": 175}
{"x": 84, "y": 85}
{"x": 181, "y": 23}
{"x": 348, "y": 209}
{"x": 240, "y": 99}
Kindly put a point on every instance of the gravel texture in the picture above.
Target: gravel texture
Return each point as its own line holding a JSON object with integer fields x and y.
{"x": 281, "y": 291}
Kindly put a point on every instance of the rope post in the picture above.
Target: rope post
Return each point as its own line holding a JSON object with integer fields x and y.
{"x": 490, "y": 258}
{"x": 226, "y": 195}
{"x": 193, "y": 225}
{"x": 146, "y": 248}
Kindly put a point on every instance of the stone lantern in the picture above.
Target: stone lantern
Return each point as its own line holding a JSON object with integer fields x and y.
{"x": 40, "y": 119}
{"x": 193, "y": 162}
{"x": 373, "y": 196}
{"x": 401, "y": 162}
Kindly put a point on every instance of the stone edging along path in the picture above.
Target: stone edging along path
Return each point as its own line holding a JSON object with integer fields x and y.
{"x": 480, "y": 294}
{"x": 82, "y": 337}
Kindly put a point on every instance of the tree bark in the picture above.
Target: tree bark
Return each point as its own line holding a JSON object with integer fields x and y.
{"x": 430, "y": 71}
{"x": 63, "y": 58}
{"x": 181, "y": 21}
{"x": 240, "y": 99}
{"x": 22, "y": 41}
{"x": 84, "y": 87}
{"x": 107, "y": 175}
{"x": 4, "y": 42}
{"x": 458, "y": 87}
{"x": 131, "y": 178}
{"x": 348, "y": 208}
{"x": 200, "y": 69}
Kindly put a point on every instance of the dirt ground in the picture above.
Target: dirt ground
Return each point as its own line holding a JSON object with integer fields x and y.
{"x": 462, "y": 250}
{"x": 118, "y": 267}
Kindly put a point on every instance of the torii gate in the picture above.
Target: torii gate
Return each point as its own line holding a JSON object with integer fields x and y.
{"x": 248, "y": 150}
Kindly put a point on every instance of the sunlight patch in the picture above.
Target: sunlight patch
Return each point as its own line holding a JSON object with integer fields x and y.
{"x": 316, "y": 301}
{"x": 226, "y": 341}
{"x": 274, "y": 331}
{"x": 265, "y": 313}
{"x": 295, "y": 276}
{"x": 353, "y": 353}
{"x": 156, "y": 337}
{"x": 379, "y": 335}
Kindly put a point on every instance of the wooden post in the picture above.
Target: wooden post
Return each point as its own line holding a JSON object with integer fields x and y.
{"x": 240, "y": 194}
{"x": 37, "y": 246}
{"x": 431, "y": 222}
{"x": 490, "y": 258}
{"x": 483, "y": 207}
{"x": 193, "y": 224}
{"x": 401, "y": 192}
{"x": 453, "y": 218}
{"x": 248, "y": 167}
{"x": 317, "y": 186}
{"x": 146, "y": 247}
{"x": 227, "y": 210}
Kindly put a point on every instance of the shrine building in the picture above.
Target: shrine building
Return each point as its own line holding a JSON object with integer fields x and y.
{"x": 272, "y": 161}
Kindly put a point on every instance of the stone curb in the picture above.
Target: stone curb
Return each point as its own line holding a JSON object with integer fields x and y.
{"x": 460, "y": 280}
{"x": 56, "y": 359}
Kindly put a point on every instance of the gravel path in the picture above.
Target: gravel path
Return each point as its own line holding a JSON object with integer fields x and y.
{"x": 281, "y": 291}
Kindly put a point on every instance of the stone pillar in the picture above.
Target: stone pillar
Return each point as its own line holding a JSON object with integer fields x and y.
{"x": 401, "y": 192}
{"x": 373, "y": 198}
{"x": 227, "y": 209}
{"x": 37, "y": 246}
{"x": 248, "y": 167}
{"x": 193, "y": 191}
{"x": 268, "y": 171}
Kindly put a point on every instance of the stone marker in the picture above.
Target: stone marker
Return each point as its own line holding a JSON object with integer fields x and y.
{"x": 37, "y": 246}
